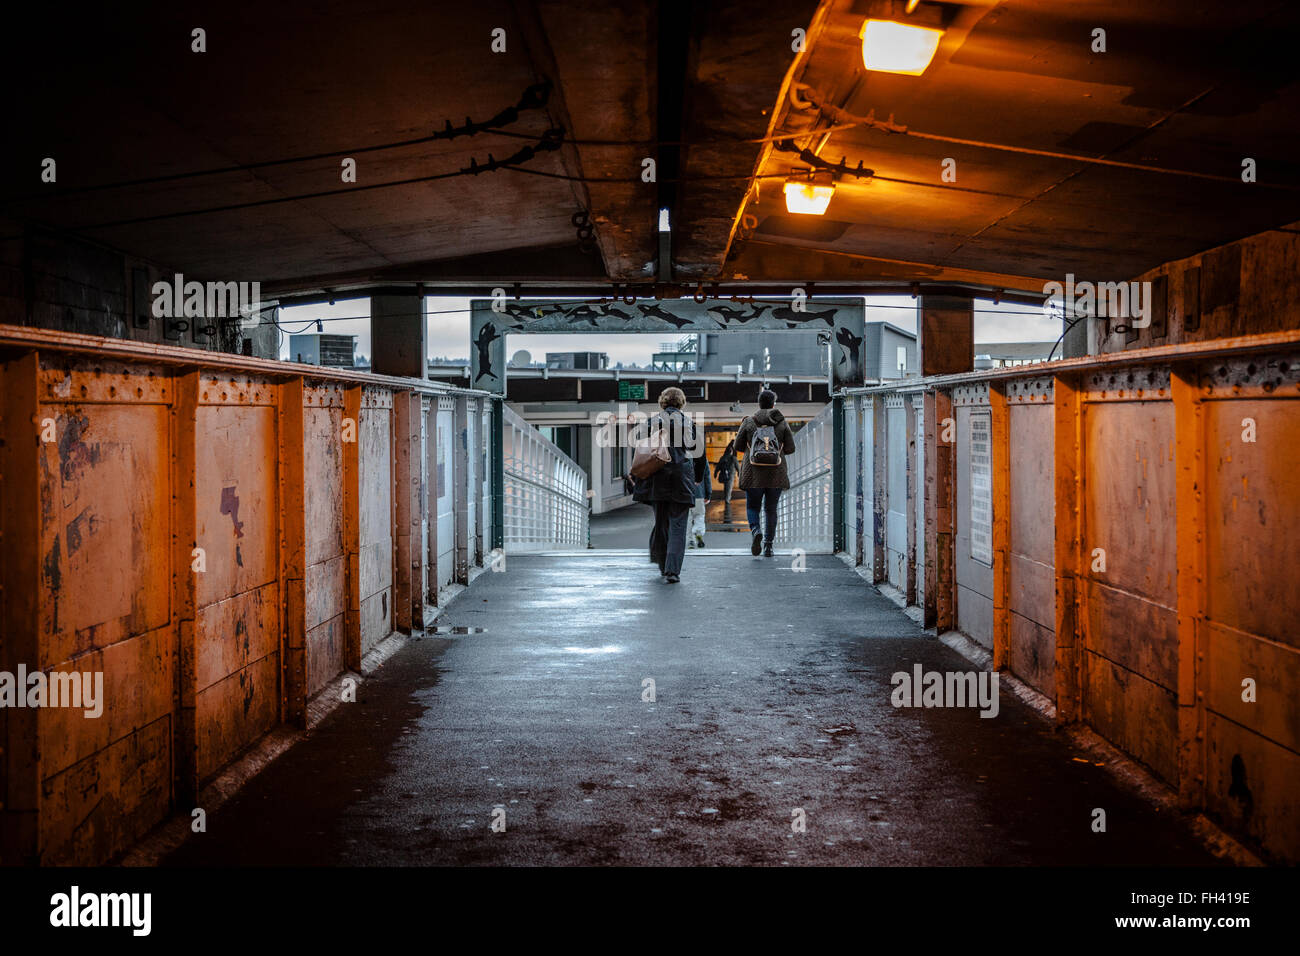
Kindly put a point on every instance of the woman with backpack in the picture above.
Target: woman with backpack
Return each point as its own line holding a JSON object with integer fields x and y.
{"x": 669, "y": 466}
{"x": 765, "y": 439}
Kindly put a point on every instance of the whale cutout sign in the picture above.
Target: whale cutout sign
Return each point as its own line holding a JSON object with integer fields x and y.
{"x": 491, "y": 320}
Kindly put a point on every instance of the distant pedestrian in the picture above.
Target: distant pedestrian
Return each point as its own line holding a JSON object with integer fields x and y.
{"x": 724, "y": 470}
{"x": 765, "y": 439}
{"x": 672, "y": 488}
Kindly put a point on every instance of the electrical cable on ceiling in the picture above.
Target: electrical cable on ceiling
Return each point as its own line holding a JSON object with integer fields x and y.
{"x": 534, "y": 97}
{"x": 551, "y": 140}
{"x": 812, "y": 101}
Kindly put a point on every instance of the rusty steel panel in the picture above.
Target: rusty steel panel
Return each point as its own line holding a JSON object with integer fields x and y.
{"x": 1033, "y": 654}
{"x": 1251, "y": 786}
{"x": 1130, "y": 670}
{"x": 326, "y": 653}
{"x": 896, "y": 470}
{"x": 375, "y": 519}
{"x": 1031, "y": 541}
{"x": 103, "y": 804}
{"x": 1135, "y": 633}
{"x": 158, "y": 451}
{"x": 1275, "y": 668}
{"x": 69, "y": 379}
{"x": 1129, "y": 508}
{"x": 973, "y": 578}
{"x": 237, "y": 628}
{"x": 100, "y": 484}
{"x": 1033, "y": 503}
{"x": 235, "y": 490}
{"x": 1136, "y": 715}
{"x": 323, "y": 483}
{"x": 1253, "y": 499}
{"x": 236, "y": 712}
{"x": 100, "y": 521}
{"x": 138, "y": 679}
{"x": 326, "y": 591}
{"x": 327, "y": 562}
{"x": 249, "y": 625}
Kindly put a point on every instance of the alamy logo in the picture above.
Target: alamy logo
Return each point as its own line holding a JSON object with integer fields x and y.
{"x": 75, "y": 908}
{"x": 208, "y": 300}
{"x": 56, "y": 689}
{"x": 624, "y": 428}
{"x": 1116, "y": 300}
{"x": 950, "y": 689}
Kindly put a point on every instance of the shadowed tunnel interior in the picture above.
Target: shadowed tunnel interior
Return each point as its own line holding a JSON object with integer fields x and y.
{"x": 341, "y": 609}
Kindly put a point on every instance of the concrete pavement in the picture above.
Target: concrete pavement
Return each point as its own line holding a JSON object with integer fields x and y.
{"x": 771, "y": 702}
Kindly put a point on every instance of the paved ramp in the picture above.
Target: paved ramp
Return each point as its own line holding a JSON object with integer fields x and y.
{"x": 772, "y": 695}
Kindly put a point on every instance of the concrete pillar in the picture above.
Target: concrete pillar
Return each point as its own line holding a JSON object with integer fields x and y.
{"x": 1074, "y": 342}
{"x": 397, "y": 335}
{"x": 945, "y": 328}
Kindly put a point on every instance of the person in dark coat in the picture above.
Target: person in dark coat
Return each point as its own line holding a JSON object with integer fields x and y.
{"x": 763, "y": 484}
{"x": 724, "y": 470}
{"x": 673, "y": 487}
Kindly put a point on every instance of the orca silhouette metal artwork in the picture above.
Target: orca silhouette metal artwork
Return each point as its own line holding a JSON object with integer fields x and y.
{"x": 492, "y": 320}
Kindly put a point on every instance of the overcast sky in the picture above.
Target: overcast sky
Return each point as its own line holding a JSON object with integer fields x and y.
{"x": 448, "y": 325}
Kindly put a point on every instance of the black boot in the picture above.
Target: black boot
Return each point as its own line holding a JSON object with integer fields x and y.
{"x": 756, "y": 547}
{"x": 767, "y": 548}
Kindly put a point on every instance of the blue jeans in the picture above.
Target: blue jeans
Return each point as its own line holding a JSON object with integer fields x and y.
{"x": 765, "y": 498}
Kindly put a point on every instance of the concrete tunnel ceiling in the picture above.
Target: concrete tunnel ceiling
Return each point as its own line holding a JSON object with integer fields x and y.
{"x": 1189, "y": 87}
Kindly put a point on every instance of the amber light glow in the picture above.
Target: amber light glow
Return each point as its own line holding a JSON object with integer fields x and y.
{"x": 808, "y": 197}
{"x": 890, "y": 47}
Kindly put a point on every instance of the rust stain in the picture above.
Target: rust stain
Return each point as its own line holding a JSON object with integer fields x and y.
{"x": 75, "y": 455}
{"x": 246, "y": 684}
{"x": 54, "y": 574}
{"x": 76, "y": 530}
{"x": 230, "y": 506}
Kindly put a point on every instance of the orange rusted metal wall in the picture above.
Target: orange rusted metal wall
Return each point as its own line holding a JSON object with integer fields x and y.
{"x": 214, "y": 534}
{"x": 1145, "y": 568}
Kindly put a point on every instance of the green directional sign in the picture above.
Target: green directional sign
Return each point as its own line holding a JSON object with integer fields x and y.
{"x": 631, "y": 391}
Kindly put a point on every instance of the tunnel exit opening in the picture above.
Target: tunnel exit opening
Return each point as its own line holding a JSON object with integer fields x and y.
{"x": 570, "y": 396}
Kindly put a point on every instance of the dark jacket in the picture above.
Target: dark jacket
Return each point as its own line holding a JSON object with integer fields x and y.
{"x": 677, "y": 479}
{"x": 725, "y": 465}
{"x": 765, "y": 476}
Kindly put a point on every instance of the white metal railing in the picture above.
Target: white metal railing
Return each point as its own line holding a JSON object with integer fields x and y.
{"x": 545, "y": 506}
{"x": 805, "y": 513}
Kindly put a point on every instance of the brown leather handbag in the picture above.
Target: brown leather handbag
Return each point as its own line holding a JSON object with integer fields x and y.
{"x": 651, "y": 454}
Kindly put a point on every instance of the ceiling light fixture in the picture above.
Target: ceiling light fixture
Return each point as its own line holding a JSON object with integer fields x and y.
{"x": 890, "y": 47}
{"x": 810, "y": 194}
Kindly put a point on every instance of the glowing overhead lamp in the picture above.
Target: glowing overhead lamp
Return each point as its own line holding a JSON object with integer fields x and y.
{"x": 809, "y": 195}
{"x": 891, "y": 47}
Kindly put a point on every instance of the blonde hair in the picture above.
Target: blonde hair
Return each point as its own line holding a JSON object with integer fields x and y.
{"x": 672, "y": 396}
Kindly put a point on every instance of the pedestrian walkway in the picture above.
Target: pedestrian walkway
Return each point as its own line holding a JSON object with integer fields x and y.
{"x": 771, "y": 705}
{"x": 628, "y": 528}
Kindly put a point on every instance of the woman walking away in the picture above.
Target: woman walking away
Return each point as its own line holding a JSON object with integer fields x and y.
{"x": 765, "y": 440}
{"x": 724, "y": 470}
{"x": 699, "y": 513}
{"x": 671, "y": 488}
